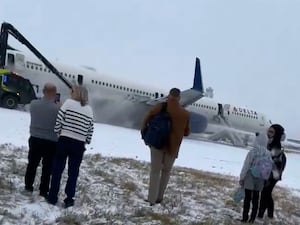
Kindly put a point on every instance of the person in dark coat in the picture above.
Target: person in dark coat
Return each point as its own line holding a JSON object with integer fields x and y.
{"x": 276, "y": 135}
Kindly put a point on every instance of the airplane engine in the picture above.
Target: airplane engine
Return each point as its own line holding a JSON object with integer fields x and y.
{"x": 198, "y": 122}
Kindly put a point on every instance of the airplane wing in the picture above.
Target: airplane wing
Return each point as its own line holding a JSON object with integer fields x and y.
{"x": 188, "y": 96}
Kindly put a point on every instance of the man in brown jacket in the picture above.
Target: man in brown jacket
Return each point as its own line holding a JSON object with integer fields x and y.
{"x": 162, "y": 160}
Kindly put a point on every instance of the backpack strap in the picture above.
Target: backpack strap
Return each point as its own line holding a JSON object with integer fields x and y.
{"x": 164, "y": 107}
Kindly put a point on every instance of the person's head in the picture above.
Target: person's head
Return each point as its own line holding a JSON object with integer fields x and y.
{"x": 276, "y": 135}
{"x": 49, "y": 91}
{"x": 80, "y": 93}
{"x": 174, "y": 93}
{"x": 261, "y": 141}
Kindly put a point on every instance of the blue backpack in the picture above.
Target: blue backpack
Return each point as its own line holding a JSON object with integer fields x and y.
{"x": 158, "y": 129}
{"x": 262, "y": 166}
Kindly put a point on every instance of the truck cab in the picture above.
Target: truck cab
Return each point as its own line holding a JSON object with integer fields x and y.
{"x": 14, "y": 90}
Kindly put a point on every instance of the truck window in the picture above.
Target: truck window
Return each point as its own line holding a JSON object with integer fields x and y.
{"x": 18, "y": 84}
{"x": 10, "y": 59}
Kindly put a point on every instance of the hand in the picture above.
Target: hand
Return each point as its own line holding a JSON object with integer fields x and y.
{"x": 241, "y": 182}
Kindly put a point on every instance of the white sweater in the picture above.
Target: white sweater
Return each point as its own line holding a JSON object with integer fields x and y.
{"x": 75, "y": 121}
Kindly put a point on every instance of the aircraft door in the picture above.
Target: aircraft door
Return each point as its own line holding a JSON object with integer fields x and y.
{"x": 80, "y": 79}
{"x": 226, "y": 110}
{"x": 20, "y": 62}
{"x": 220, "y": 110}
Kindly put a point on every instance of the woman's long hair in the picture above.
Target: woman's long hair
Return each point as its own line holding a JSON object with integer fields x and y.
{"x": 276, "y": 141}
{"x": 80, "y": 94}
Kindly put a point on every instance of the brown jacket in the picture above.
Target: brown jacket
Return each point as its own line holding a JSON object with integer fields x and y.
{"x": 180, "y": 124}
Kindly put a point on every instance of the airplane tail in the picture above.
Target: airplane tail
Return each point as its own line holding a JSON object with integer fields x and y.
{"x": 198, "y": 84}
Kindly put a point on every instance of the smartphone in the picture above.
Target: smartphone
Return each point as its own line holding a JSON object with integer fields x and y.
{"x": 57, "y": 98}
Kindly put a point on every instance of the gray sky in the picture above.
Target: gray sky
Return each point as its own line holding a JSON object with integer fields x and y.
{"x": 249, "y": 50}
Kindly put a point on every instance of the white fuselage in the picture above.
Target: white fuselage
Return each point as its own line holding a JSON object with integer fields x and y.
{"x": 120, "y": 102}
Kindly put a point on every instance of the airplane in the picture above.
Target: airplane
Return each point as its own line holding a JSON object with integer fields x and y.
{"x": 124, "y": 103}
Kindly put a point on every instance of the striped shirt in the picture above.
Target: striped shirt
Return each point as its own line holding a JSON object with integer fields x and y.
{"x": 75, "y": 121}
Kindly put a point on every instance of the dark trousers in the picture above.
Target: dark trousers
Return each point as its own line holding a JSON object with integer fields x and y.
{"x": 39, "y": 149}
{"x": 73, "y": 150}
{"x": 250, "y": 196}
{"x": 266, "y": 200}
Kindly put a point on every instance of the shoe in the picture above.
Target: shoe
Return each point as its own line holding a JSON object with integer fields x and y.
{"x": 27, "y": 192}
{"x": 68, "y": 203}
{"x": 29, "y": 189}
{"x": 244, "y": 221}
{"x": 151, "y": 204}
{"x": 251, "y": 221}
{"x": 50, "y": 202}
{"x": 159, "y": 201}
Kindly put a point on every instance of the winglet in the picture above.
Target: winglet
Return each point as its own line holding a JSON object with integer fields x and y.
{"x": 198, "y": 85}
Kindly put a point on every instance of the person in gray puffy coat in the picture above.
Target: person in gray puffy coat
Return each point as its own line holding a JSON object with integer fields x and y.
{"x": 252, "y": 185}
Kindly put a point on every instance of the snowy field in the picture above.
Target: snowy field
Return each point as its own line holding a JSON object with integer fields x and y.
{"x": 122, "y": 142}
{"x": 111, "y": 189}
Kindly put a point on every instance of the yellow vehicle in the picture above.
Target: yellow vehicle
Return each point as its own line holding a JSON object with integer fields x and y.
{"x": 14, "y": 90}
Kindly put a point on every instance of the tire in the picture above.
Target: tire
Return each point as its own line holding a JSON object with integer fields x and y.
{"x": 10, "y": 101}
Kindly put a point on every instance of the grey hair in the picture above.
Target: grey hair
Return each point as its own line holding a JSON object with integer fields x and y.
{"x": 80, "y": 94}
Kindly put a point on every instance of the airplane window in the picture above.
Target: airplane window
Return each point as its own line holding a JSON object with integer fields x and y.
{"x": 49, "y": 71}
{"x": 99, "y": 82}
{"x": 66, "y": 74}
{"x": 130, "y": 90}
{"x": 114, "y": 86}
{"x": 92, "y": 81}
{"x": 127, "y": 89}
{"x": 27, "y": 66}
{"x": 96, "y": 82}
{"x": 110, "y": 85}
{"x": 70, "y": 75}
{"x": 36, "y": 68}
{"x": 106, "y": 84}
{"x": 61, "y": 73}
{"x": 73, "y": 76}
{"x": 118, "y": 86}
{"x": 32, "y": 67}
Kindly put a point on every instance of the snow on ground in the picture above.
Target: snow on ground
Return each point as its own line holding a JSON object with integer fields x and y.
{"x": 111, "y": 189}
{"x": 122, "y": 142}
